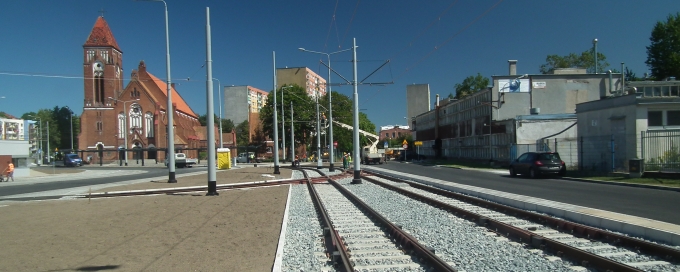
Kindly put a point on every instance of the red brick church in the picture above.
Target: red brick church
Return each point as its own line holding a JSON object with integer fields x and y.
{"x": 138, "y": 110}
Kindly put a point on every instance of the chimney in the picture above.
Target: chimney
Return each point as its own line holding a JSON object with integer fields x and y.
{"x": 512, "y": 66}
{"x": 437, "y": 99}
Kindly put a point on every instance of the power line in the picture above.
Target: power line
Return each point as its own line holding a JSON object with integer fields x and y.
{"x": 437, "y": 47}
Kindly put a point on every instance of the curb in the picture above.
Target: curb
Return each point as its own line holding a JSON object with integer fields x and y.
{"x": 658, "y": 187}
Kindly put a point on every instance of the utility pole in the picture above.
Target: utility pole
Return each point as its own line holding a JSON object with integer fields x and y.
{"x": 210, "y": 130}
{"x": 276, "y": 125}
{"x": 292, "y": 135}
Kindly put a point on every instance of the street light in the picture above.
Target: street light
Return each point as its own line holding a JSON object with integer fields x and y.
{"x": 125, "y": 125}
{"x": 283, "y": 123}
{"x": 595, "y": 49}
{"x": 170, "y": 111}
{"x": 219, "y": 97}
{"x": 39, "y": 137}
{"x": 330, "y": 106}
{"x": 71, "y": 121}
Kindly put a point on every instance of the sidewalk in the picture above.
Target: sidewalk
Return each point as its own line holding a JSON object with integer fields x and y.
{"x": 235, "y": 231}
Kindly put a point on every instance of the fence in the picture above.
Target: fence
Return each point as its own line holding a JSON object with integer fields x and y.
{"x": 660, "y": 150}
{"x": 605, "y": 153}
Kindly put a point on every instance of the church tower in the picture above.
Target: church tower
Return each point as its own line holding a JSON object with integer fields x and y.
{"x": 103, "y": 80}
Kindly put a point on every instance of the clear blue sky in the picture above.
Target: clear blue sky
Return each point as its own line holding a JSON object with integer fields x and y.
{"x": 436, "y": 42}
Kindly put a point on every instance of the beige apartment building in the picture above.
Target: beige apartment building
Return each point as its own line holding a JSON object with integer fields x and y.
{"x": 303, "y": 77}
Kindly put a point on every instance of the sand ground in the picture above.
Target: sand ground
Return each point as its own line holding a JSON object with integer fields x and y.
{"x": 235, "y": 231}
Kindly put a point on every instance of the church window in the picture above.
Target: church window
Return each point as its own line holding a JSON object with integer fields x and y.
{"x": 99, "y": 125}
{"x": 135, "y": 116}
{"x": 121, "y": 125}
{"x": 148, "y": 124}
{"x": 90, "y": 55}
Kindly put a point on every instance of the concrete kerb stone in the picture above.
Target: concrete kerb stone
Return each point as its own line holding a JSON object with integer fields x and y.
{"x": 631, "y": 225}
{"x": 649, "y": 186}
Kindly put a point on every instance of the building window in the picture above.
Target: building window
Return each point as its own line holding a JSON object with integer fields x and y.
{"x": 673, "y": 118}
{"x": 662, "y": 118}
{"x": 99, "y": 125}
{"x": 148, "y": 124}
{"x": 90, "y": 55}
{"x": 387, "y": 135}
{"x": 135, "y": 116}
{"x": 121, "y": 125}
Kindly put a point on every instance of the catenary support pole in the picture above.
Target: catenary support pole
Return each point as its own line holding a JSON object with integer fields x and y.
{"x": 210, "y": 116}
{"x": 276, "y": 123}
{"x": 355, "y": 130}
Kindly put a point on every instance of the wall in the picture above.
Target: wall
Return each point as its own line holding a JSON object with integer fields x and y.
{"x": 236, "y": 104}
{"x": 553, "y": 94}
{"x": 18, "y": 150}
{"x": 417, "y": 99}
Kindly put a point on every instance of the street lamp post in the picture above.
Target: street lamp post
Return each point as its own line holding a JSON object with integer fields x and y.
{"x": 292, "y": 136}
{"x": 170, "y": 111}
{"x": 329, "y": 92}
{"x": 276, "y": 124}
{"x": 71, "y": 121}
{"x": 283, "y": 124}
{"x": 219, "y": 97}
{"x": 125, "y": 126}
{"x": 39, "y": 138}
{"x": 595, "y": 55}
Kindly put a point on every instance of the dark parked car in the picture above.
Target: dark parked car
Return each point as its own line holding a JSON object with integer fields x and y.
{"x": 536, "y": 164}
{"x": 72, "y": 160}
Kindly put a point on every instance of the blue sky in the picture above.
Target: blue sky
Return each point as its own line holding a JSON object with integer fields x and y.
{"x": 436, "y": 42}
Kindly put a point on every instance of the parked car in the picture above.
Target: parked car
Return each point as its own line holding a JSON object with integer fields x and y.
{"x": 536, "y": 164}
{"x": 72, "y": 160}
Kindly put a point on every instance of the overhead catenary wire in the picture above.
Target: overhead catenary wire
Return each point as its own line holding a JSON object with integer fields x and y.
{"x": 439, "y": 46}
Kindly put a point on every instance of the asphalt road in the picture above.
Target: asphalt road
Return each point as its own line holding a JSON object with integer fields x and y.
{"x": 65, "y": 183}
{"x": 661, "y": 205}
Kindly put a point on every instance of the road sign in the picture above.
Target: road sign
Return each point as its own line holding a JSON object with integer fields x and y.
{"x": 418, "y": 143}
{"x": 335, "y": 143}
{"x": 404, "y": 142}
{"x": 405, "y": 146}
{"x": 385, "y": 145}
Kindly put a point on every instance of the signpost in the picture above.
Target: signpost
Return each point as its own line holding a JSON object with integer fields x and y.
{"x": 418, "y": 144}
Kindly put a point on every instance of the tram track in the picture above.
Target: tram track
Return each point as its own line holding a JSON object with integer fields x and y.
{"x": 363, "y": 240}
{"x": 583, "y": 245}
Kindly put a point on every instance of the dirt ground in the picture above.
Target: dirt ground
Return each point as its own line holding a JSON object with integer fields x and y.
{"x": 235, "y": 231}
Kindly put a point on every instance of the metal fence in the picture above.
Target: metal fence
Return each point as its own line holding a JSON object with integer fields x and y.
{"x": 660, "y": 150}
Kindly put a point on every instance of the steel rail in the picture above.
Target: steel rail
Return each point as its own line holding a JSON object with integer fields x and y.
{"x": 405, "y": 240}
{"x": 336, "y": 247}
{"x": 582, "y": 257}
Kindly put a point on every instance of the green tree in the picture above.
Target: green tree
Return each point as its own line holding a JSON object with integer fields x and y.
{"x": 630, "y": 75}
{"x": 304, "y": 111}
{"x": 227, "y": 125}
{"x": 62, "y": 117}
{"x": 243, "y": 133}
{"x": 584, "y": 60}
{"x": 663, "y": 54}
{"x": 471, "y": 85}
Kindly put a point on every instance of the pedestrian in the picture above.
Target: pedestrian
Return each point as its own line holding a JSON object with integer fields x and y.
{"x": 344, "y": 161}
{"x": 10, "y": 170}
{"x": 349, "y": 159}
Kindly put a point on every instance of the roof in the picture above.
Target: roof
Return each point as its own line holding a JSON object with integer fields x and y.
{"x": 557, "y": 116}
{"x": 101, "y": 35}
{"x": 181, "y": 105}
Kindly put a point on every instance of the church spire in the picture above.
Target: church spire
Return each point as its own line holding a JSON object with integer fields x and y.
{"x": 101, "y": 35}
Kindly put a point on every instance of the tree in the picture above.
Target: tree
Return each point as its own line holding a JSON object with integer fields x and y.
{"x": 585, "y": 60}
{"x": 243, "y": 133}
{"x": 62, "y": 118}
{"x": 470, "y": 85}
{"x": 663, "y": 54}
{"x": 227, "y": 125}
{"x": 303, "y": 109}
{"x": 629, "y": 75}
